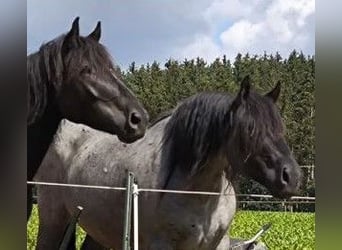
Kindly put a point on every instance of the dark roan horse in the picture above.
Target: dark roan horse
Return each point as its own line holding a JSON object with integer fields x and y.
{"x": 202, "y": 146}
{"x": 73, "y": 77}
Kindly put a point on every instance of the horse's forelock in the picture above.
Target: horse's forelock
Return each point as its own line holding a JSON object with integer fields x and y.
{"x": 95, "y": 53}
{"x": 259, "y": 119}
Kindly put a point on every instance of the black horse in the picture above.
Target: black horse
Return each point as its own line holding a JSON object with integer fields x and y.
{"x": 73, "y": 77}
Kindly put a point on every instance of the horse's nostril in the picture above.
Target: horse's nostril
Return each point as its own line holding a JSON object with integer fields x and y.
{"x": 135, "y": 118}
{"x": 285, "y": 176}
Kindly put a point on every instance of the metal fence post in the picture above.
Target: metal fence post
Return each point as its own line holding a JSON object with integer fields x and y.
{"x": 135, "y": 217}
{"x": 126, "y": 240}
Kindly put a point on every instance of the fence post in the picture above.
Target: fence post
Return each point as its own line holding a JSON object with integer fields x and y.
{"x": 135, "y": 217}
{"x": 126, "y": 239}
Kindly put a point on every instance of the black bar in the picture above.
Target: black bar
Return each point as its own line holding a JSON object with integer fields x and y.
{"x": 70, "y": 229}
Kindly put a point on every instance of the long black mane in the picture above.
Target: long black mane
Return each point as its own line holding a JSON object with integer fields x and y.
{"x": 203, "y": 124}
{"x": 42, "y": 67}
{"x": 196, "y": 129}
{"x": 45, "y": 70}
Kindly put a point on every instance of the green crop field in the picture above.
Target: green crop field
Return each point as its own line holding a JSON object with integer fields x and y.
{"x": 288, "y": 231}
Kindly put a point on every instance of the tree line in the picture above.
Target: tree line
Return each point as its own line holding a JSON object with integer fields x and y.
{"x": 161, "y": 87}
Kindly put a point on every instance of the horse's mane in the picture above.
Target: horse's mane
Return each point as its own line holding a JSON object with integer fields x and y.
{"x": 196, "y": 129}
{"x": 42, "y": 72}
{"x": 204, "y": 123}
{"x": 45, "y": 70}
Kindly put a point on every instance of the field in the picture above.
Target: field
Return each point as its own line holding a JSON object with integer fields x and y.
{"x": 289, "y": 230}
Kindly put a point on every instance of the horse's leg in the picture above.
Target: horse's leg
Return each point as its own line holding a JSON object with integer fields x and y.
{"x": 90, "y": 244}
{"x": 53, "y": 220}
{"x": 224, "y": 243}
{"x": 29, "y": 202}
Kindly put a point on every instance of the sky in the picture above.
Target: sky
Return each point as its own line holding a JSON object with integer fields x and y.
{"x": 156, "y": 30}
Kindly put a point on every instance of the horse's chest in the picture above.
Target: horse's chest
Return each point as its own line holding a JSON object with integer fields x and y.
{"x": 194, "y": 225}
{"x": 214, "y": 224}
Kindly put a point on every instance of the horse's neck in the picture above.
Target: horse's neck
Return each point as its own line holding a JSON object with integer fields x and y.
{"x": 210, "y": 178}
{"x": 43, "y": 114}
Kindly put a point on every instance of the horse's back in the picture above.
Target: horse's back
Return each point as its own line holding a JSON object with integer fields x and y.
{"x": 66, "y": 143}
{"x": 102, "y": 159}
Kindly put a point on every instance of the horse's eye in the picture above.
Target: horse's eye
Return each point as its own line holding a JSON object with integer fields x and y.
{"x": 86, "y": 70}
{"x": 268, "y": 160}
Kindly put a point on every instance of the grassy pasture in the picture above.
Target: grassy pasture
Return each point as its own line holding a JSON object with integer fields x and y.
{"x": 288, "y": 231}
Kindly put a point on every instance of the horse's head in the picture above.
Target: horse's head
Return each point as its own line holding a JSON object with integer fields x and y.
{"x": 91, "y": 92}
{"x": 262, "y": 151}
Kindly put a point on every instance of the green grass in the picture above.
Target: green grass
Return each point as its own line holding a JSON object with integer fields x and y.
{"x": 289, "y": 230}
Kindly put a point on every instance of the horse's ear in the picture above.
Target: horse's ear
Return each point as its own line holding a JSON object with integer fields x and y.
{"x": 274, "y": 93}
{"x": 75, "y": 28}
{"x": 70, "y": 38}
{"x": 243, "y": 94}
{"x": 96, "y": 34}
